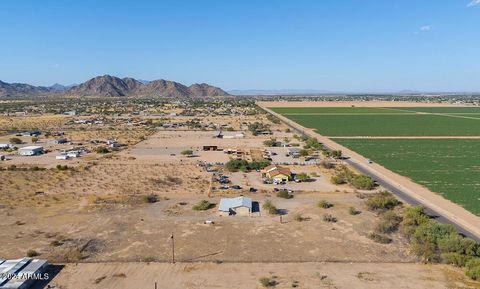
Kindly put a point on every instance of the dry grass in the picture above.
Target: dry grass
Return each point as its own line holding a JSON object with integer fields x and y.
{"x": 115, "y": 181}
{"x": 42, "y": 122}
{"x": 28, "y": 188}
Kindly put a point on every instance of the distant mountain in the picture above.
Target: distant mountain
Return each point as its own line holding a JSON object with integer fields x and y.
{"x": 21, "y": 89}
{"x": 111, "y": 86}
{"x": 108, "y": 85}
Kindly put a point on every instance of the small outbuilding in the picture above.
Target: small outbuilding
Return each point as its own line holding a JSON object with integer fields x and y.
{"x": 30, "y": 150}
{"x": 233, "y": 206}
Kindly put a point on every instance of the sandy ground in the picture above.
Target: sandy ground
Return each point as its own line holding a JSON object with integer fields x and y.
{"x": 447, "y": 208}
{"x": 247, "y": 275}
{"x": 352, "y": 103}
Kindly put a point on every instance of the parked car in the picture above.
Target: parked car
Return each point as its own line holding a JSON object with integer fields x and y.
{"x": 236, "y": 187}
{"x": 252, "y": 190}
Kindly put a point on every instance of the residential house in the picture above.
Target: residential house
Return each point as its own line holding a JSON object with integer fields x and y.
{"x": 235, "y": 206}
{"x": 277, "y": 174}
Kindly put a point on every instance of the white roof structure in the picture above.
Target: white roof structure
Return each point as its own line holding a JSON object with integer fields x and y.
{"x": 231, "y": 203}
{"x": 32, "y": 148}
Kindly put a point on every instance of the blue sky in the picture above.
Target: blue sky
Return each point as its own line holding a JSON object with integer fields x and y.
{"x": 337, "y": 45}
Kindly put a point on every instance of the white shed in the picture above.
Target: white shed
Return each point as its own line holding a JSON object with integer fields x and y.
{"x": 30, "y": 150}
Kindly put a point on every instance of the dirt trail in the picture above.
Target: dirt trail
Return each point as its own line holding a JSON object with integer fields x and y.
{"x": 446, "y": 208}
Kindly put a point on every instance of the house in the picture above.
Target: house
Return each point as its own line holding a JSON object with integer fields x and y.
{"x": 263, "y": 132}
{"x": 60, "y": 141}
{"x": 31, "y": 133}
{"x": 233, "y": 206}
{"x": 73, "y": 154}
{"x": 277, "y": 174}
{"x": 30, "y": 150}
{"x": 20, "y": 269}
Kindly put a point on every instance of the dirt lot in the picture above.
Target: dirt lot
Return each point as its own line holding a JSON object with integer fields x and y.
{"x": 246, "y": 275}
{"x": 123, "y": 230}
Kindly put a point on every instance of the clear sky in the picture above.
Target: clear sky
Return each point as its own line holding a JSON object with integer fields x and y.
{"x": 337, "y": 45}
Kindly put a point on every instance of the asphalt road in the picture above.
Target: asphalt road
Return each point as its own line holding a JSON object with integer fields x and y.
{"x": 408, "y": 199}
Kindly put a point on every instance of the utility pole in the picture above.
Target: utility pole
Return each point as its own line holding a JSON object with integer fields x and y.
{"x": 173, "y": 248}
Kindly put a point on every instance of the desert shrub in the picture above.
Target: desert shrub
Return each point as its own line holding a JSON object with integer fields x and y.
{"x": 455, "y": 259}
{"x": 362, "y": 182}
{"x": 271, "y": 142}
{"x": 62, "y": 168}
{"x": 312, "y": 143}
{"x": 299, "y": 217}
{"x": 284, "y": 194}
{"x": 268, "y": 282}
{"x": 302, "y": 177}
{"x": 425, "y": 240}
{"x": 152, "y": 198}
{"x": 327, "y": 164}
{"x": 336, "y": 154}
{"x": 389, "y": 222}
{"x": 15, "y": 140}
{"x": 412, "y": 218}
{"x": 32, "y": 253}
{"x": 203, "y": 205}
{"x": 186, "y": 152}
{"x": 102, "y": 150}
{"x": 338, "y": 179}
{"x": 382, "y": 201}
{"x": 55, "y": 243}
{"x": 352, "y": 211}
{"x": 270, "y": 208}
{"x": 379, "y": 238}
{"x": 243, "y": 165}
{"x": 329, "y": 218}
{"x": 324, "y": 204}
{"x": 472, "y": 268}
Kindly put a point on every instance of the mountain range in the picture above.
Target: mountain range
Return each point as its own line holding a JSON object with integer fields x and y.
{"x": 111, "y": 86}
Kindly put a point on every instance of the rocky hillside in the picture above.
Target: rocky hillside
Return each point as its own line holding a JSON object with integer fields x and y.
{"x": 21, "y": 89}
{"x": 111, "y": 86}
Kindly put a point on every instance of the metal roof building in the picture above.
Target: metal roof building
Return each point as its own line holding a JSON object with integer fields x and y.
{"x": 232, "y": 206}
{"x": 30, "y": 150}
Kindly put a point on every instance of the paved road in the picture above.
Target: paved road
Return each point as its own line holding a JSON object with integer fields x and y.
{"x": 410, "y": 200}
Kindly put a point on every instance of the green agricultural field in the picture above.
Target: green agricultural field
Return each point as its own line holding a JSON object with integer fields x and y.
{"x": 450, "y": 167}
{"x": 335, "y": 110}
{"x": 389, "y": 125}
{"x": 440, "y": 109}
